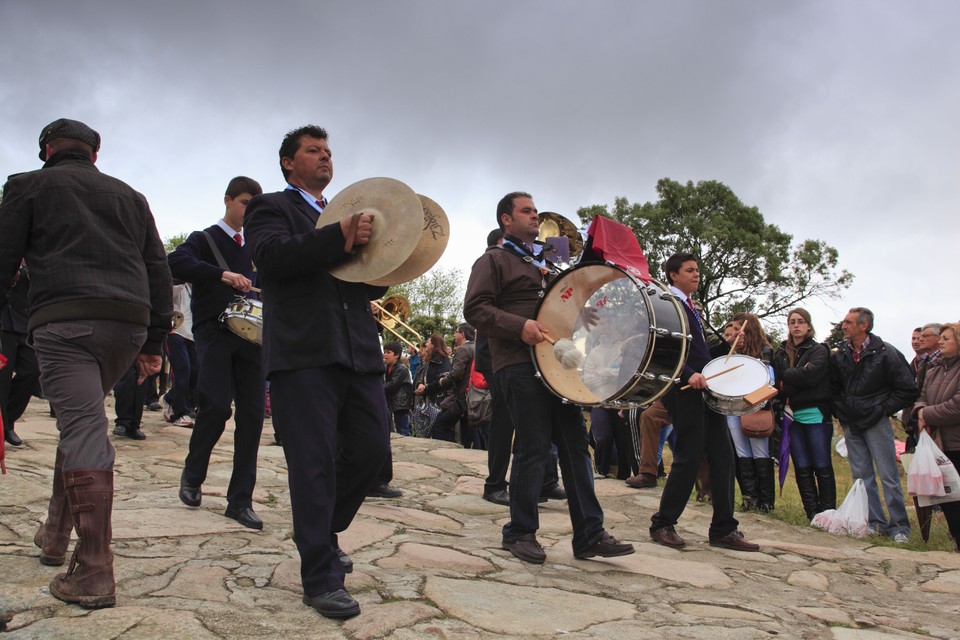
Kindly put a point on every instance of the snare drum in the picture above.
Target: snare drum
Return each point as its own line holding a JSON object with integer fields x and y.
{"x": 244, "y": 316}
{"x": 633, "y": 353}
{"x": 724, "y": 394}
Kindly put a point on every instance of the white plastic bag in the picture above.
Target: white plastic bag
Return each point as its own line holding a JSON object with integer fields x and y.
{"x": 924, "y": 477}
{"x": 851, "y": 517}
{"x": 842, "y": 447}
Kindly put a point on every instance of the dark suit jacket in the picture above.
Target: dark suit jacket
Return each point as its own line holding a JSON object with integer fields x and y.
{"x": 311, "y": 319}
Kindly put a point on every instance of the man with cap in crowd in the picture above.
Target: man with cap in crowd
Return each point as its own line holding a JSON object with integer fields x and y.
{"x": 100, "y": 300}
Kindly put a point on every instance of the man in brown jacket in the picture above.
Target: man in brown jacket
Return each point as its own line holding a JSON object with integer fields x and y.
{"x": 505, "y": 284}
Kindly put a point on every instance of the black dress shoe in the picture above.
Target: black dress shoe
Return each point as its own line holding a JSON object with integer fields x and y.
{"x": 345, "y": 561}
{"x": 11, "y": 438}
{"x": 498, "y": 497}
{"x": 190, "y": 496}
{"x": 133, "y": 434}
{"x": 555, "y": 492}
{"x": 384, "y": 491}
{"x": 244, "y": 516}
{"x": 333, "y": 604}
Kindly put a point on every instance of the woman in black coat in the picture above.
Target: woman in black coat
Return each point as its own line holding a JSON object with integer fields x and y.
{"x": 802, "y": 367}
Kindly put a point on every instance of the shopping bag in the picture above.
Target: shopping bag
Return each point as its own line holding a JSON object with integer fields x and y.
{"x": 851, "y": 517}
{"x": 950, "y": 477}
{"x": 924, "y": 477}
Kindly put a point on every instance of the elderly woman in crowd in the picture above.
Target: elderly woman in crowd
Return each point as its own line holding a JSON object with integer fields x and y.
{"x": 939, "y": 409}
{"x": 802, "y": 367}
{"x": 754, "y": 465}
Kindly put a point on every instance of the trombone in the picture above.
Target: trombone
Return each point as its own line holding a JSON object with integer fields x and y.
{"x": 400, "y": 310}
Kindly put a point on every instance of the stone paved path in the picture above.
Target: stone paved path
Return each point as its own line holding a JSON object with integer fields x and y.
{"x": 429, "y": 565}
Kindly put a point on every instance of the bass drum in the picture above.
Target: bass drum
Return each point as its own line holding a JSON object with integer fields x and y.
{"x": 633, "y": 336}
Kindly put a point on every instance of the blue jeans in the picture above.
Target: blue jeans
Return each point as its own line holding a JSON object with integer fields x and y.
{"x": 539, "y": 418}
{"x": 401, "y": 420}
{"x": 871, "y": 448}
{"x": 810, "y": 445}
{"x": 747, "y": 447}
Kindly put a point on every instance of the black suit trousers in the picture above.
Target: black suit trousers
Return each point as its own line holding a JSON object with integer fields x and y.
{"x": 230, "y": 371}
{"x": 700, "y": 431}
{"x": 336, "y": 440}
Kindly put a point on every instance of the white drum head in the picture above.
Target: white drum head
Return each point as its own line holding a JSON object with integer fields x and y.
{"x": 752, "y": 375}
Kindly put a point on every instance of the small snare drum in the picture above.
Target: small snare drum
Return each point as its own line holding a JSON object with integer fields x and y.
{"x": 725, "y": 393}
{"x": 244, "y": 317}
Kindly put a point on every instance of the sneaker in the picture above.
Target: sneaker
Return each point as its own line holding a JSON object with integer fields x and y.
{"x": 154, "y": 406}
{"x": 182, "y": 421}
{"x": 901, "y": 538}
{"x": 167, "y": 409}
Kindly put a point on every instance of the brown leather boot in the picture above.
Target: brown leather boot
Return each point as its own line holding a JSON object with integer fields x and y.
{"x": 53, "y": 536}
{"x": 89, "y": 580}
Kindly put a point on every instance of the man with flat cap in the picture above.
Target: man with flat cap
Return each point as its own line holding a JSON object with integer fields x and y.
{"x": 100, "y": 299}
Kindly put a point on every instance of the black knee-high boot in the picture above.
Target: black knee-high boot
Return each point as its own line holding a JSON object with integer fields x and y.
{"x": 747, "y": 479}
{"x": 766, "y": 485}
{"x": 808, "y": 491}
{"x": 826, "y": 488}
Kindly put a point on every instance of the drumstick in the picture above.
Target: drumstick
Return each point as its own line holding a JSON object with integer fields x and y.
{"x": 225, "y": 281}
{"x": 733, "y": 347}
{"x": 718, "y": 373}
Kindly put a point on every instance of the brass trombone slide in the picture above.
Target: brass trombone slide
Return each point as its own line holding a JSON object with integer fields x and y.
{"x": 380, "y": 308}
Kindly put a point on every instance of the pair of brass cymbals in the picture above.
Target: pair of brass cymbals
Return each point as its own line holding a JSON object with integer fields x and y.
{"x": 409, "y": 233}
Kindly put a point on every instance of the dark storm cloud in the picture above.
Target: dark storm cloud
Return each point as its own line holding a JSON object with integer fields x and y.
{"x": 835, "y": 119}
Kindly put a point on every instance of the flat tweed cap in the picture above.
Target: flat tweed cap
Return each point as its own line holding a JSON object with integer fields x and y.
{"x": 65, "y": 128}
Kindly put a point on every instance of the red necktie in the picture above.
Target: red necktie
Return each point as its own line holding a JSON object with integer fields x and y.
{"x": 239, "y": 239}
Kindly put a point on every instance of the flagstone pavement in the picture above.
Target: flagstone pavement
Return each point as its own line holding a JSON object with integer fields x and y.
{"x": 429, "y": 564}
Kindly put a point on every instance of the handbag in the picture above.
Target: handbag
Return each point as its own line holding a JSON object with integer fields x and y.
{"x": 479, "y": 402}
{"x": 758, "y": 424}
{"x": 479, "y": 405}
{"x": 422, "y": 418}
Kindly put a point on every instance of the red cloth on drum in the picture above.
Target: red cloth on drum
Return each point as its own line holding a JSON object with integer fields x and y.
{"x": 616, "y": 243}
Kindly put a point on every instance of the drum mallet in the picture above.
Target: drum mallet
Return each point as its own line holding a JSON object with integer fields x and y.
{"x": 711, "y": 377}
{"x": 566, "y": 352}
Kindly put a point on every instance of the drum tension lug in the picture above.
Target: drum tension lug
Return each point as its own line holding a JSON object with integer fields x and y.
{"x": 663, "y": 333}
{"x": 648, "y": 376}
{"x": 680, "y": 336}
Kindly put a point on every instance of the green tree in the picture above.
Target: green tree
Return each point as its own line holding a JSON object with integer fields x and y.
{"x": 436, "y": 301}
{"x": 173, "y": 242}
{"x": 835, "y": 339}
{"x": 745, "y": 263}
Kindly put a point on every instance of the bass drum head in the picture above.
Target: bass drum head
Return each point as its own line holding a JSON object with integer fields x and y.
{"x": 615, "y": 348}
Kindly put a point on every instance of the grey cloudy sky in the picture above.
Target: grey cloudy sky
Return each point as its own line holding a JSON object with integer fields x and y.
{"x": 836, "y": 119}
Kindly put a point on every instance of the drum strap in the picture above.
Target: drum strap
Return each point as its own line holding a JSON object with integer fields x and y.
{"x": 216, "y": 251}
